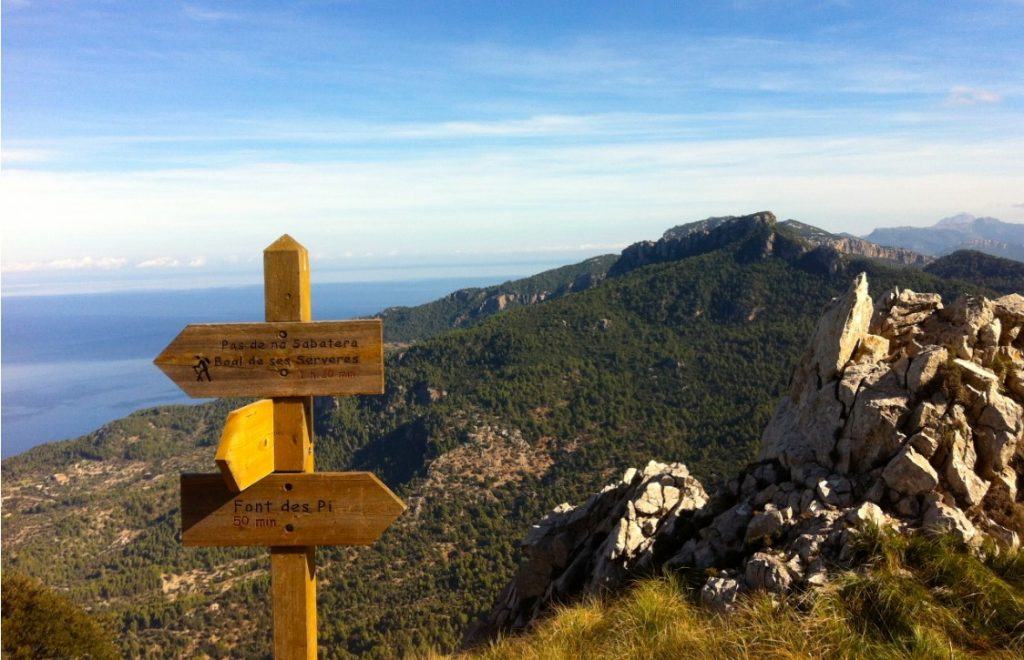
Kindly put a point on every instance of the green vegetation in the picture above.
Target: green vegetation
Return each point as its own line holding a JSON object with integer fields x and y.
{"x": 1002, "y": 275}
{"x": 468, "y": 306}
{"x": 541, "y": 404}
{"x": 40, "y": 623}
{"x": 914, "y": 597}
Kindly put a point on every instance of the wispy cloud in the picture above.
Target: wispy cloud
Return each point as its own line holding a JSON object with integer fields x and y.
{"x": 172, "y": 262}
{"x": 961, "y": 95}
{"x": 520, "y": 197}
{"x": 15, "y": 156}
{"x": 205, "y": 14}
{"x": 81, "y": 263}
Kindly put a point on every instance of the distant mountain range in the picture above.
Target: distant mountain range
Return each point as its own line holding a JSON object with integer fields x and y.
{"x": 467, "y": 307}
{"x": 958, "y": 232}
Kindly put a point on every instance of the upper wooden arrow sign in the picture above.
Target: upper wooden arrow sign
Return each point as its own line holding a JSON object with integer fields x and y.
{"x": 319, "y": 508}
{"x": 277, "y": 359}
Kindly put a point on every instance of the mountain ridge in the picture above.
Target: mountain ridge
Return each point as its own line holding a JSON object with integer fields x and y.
{"x": 958, "y": 232}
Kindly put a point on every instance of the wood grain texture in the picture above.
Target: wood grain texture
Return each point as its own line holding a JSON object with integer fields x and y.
{"x": 320, "y": 508}
{"x": 293, "y": 588}
{"x": 245, "y": 453}
{"x": 293, "y": 434}
{"x": 287, "y": 297}
{"x": 286, "y": 281}
{"x": 281, "y": 359}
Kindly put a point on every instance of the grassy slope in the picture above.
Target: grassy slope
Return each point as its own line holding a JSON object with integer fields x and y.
{"x": 679, "y": 361}
{"x": 914, "y": 597}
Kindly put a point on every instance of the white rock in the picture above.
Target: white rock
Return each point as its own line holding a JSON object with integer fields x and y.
{"x": 959, "y": 472}
{"x": 866, "y": 513}
{"x": 768, "y": 572}
{"x": 975, "y": 371}
{"x": 941, "y": 518}
{"x": 909, "y": 472}
{"x": 720, "y": 593}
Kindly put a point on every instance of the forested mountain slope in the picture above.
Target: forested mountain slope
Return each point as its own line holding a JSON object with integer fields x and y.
{"x": 1002, "y": 275}
{"x": 467, "y": 306}
{"x": 481, "y": 430}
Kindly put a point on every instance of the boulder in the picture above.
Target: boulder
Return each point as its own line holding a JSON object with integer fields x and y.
{"x": 763, "y": 526}
{"x": 1010, "y": 309}
{"x": 999, "y": 431}
{"x": 767, "y": 572}
{"x": 720, "y": 593}
{"x": 925, "y": 366}
{"x": 960, "y": 475}
{"x": 909, "y": 472}
{"x": 867, "y": 513}
{"x": 944, "y": 519}
{"x": 841, "y": 328}
{"x": 872, "y": 434}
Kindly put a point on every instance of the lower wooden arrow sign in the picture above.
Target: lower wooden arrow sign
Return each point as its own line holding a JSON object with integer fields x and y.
{"x": 282, "y": 509}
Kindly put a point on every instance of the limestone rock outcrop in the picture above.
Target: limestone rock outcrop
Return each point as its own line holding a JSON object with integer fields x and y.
{"x": 903, "y": 412}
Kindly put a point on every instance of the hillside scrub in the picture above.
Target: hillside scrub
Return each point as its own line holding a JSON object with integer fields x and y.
{"x": 41, "y": 623}
{"x": 914, "y": 596}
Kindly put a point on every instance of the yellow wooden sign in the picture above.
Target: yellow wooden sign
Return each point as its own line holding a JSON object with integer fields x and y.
{"x": 292, "y": 509}
{"x": 301, "y": 509}
{"x": 246, "y": 450}
{"x": 277, "y": 359}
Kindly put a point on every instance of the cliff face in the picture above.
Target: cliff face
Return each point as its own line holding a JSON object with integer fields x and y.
{"x": 903, "y": 413}
{"x": 760, "y": 235}
{"x": 851, "y": 245}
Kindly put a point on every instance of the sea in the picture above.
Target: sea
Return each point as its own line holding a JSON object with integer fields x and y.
{"x": 70, "y": 363}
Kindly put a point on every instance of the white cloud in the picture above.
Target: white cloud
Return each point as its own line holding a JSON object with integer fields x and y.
{"x": 159, "y": 262}
{"x": 961, "y": 95}
{"x": 197, "y": 262}
{"x": 518, "y": 197}
{"x": 81, "y": 263}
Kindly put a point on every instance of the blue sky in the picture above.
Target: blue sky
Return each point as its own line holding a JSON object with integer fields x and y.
{"x": 166, "y": 136}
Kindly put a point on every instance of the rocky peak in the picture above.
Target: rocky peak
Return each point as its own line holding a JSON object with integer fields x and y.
{"x": 756, "y": 231}
{"x": 760, "y": 235}
{"x": 762, "y": 218}
{"x": 903, "y": 412}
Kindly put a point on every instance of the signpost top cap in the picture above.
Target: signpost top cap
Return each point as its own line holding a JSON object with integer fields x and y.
{"x": 285, "y": 244}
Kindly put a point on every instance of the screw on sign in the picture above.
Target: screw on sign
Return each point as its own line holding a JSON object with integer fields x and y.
{"x": 267, "y": 493}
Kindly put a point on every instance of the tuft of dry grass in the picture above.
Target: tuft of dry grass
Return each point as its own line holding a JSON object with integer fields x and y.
{"x": 912, "y": 597}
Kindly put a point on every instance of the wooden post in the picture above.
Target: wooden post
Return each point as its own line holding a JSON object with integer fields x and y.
{"x": 292, "y": 570}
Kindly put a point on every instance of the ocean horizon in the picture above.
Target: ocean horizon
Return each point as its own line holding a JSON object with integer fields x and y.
{"x": 73, "y": 362}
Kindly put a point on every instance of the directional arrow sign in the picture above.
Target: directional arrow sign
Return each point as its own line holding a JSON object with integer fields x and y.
{"x": 277, "y": 359}
{"x": 300, "y": 509}
{"x": 246, "y": 450}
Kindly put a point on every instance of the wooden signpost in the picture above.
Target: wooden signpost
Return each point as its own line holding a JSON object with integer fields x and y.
{"x": 266, "y": 493}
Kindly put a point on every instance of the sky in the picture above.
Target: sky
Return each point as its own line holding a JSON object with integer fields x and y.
{"x": 177, "y": 139}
